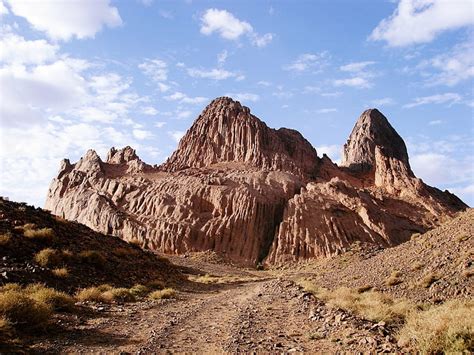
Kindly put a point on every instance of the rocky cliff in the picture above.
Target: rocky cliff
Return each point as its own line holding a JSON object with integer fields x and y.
{"x": 254, "y": 194}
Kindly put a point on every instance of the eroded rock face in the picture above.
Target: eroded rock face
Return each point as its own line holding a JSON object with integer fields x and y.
{"x": 254, "y": 194}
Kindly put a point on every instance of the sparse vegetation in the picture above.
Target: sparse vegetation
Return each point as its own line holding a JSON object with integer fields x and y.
{"x": 19, "y": 309}
{"x": 163, "y": 294}
{"x": 43, "y": 234}
{"x": 417, "y": 266}
{"x": 139, "y": 290}
{"x": 448, "y": 328}
{"x": 61, "y": 272}
{"x": 5, "y": 238}
{"x": 370, "y": 305}
{"x": 123, "y": 252}
{"x": 156, "y": 284}
{"x": 365, "y": 288}
{"x": 48, "y": 257}
{"x": 93, "y": 294}
{"x": 92, "y": 257}
{"x": 394, "y": 279}
{"x": 428, "y": 280}
{"x": 118, "y": 295}
{"x": 59, "y": 301}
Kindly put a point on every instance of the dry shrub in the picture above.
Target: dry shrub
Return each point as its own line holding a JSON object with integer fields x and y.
{"x": 93, "y": 294}
{"x": 58, "y": 301}
{"x": 448, "y": 328}
{"x": 139, "y": 290}
{"x": 93, "y": 257}
{"x": 43, "y": 234}
{"x": 62, "y": 273}
{"x": 6, "y": 331}
{"x": 417, "y": 266}
{"x": 48, "y": 257}
{"x": 10, "y": 287}
{"x": 5, "y": 239}
{"x": 163, "y": 294}
{"x": 428, "y": 280}
{"x": 23, "y": 311}
{"x": 370, "y": 305}
{"x": 394, "y": 279}
{"x": 118, "y": 295}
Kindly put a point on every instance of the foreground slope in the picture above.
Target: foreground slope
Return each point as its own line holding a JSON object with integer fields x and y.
{"x": 89, "y": 257}
{"x": 254, "y": 194}
{"x": 433, "y": 267}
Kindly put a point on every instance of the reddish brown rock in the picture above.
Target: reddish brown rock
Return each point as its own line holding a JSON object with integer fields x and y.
{"x": 254, "y": 194}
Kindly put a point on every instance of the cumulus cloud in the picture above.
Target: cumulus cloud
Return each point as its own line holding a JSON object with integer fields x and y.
{"x": 156, "y": 69}
{"x": 333, "y": 151}
{"x": 141, "y": 134}
{"x": 62, "y": 20}
{"x": 360, "y": 75}
{"x": 383, "y": 101}
{"x": 449, "y": 98}
{"x": 149, "y": 111}
{"x": 229, "y": 27}
{"x": 16, "y": 49}
{"x": 420, "y": 21}
{"x": 307, "y": 61}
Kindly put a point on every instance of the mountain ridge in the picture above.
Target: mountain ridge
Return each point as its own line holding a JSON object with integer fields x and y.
{"x": 255, "y": 194}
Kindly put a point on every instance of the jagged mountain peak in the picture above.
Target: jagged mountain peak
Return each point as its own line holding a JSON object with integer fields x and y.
{"x": 226, "y": 131}
{"x": 121, "y": 156}
{"x": 372, "y": 130}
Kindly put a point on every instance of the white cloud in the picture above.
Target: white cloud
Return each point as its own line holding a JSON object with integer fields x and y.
{"x": 156, "y": 69}
{"x": 244, "y": 96}
{"x": 356, "y": 82}
{"x": 183, "y": 98}
{"x": 176, "y": 135}
{"x": 308, "y": 61}
{"x": 160, "y": 124}
{"x": 15, "y": 49}
{"x": 333, "y": 151}
{"x": 331, "y": 94}
{"x": 62, "y": 20}
{"x": 222, "y": 57}
{"x": 356, "y": 66}
{"x": 141, "y": 134}
{"x": 435, "y": 122}
{"x": 447, "y": 98}
{"x": 229, "y": 27}
{"x": 264, "y": 83}
{"x": 224, "y": 23}
{"x": 214, "y": 74}
{"x": 452, "y": 67}
{"x": 420, "y": 21}
{"x": 261, "y": 41}
{"x": 166, "y": 14}
{"x": 383, "y": 102}
{"x": 150, "y": 111}
{"x": 326, "y": 110}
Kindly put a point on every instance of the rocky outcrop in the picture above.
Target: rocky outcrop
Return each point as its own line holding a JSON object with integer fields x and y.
{"x": 227, "y": 132}
{"x": 254, "y": 194}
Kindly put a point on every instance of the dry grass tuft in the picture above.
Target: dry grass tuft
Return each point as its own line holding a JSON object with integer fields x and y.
{"x": 61, "y": 273}
{"x": 139, "y": 290}
{"x": 417, "y": 266}
{"x": 163, "y": 294}
{"x": 370, "y": 305}
{"x": 121, "y": 252}
{"x": 6, "y": 330}
{"x": 92, "y": 257}
{"x": 428, "y": 280}
{"x": 58, "y": 301}
{"x": 5, "y": 239}
{"x": 394, "y": 279}
{"x": 48, "y": 257}
{"x": 23, "y": 311}
{"x": 43, "y": 234}
{"x": 448, "y": 328}
{"x": 118, "y": 295}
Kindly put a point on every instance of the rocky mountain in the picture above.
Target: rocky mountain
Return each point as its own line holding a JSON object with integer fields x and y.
{"x": 254, "y": 194}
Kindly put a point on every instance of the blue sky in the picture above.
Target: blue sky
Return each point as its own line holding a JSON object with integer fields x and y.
{"x": 85, "y": 74}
